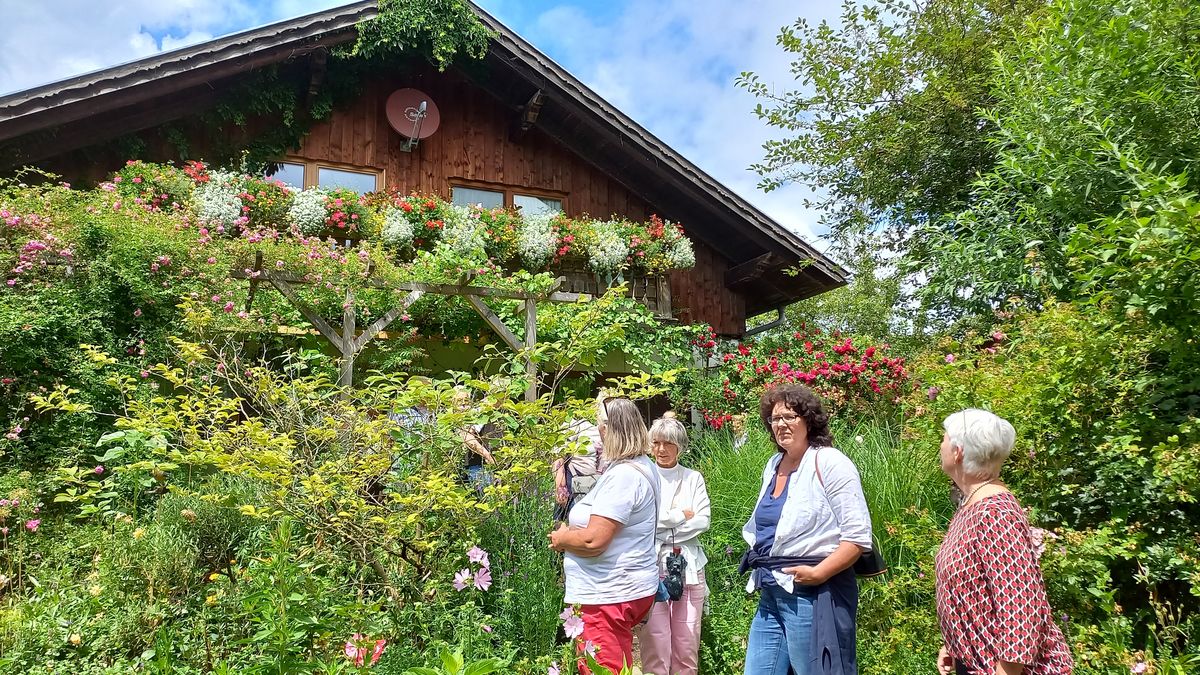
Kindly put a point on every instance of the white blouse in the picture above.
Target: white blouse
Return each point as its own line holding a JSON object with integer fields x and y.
{"x": 815, "y": 519}
{"x": 683, "y": 489}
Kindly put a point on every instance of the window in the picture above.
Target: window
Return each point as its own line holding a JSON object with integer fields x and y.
{"x": 359, "y": 181}
{"x": 531, "y": 205}
{"x": 299, "y": 173}
{"x": 491, "y": 196}
{"x": 290, "y": 174}
{"x": 468, "y": 196}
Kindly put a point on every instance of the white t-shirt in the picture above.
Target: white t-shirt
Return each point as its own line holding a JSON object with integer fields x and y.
{"x": 628, "y": 569}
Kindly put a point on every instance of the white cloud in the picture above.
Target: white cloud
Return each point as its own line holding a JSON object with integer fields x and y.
{"x": 51, "y": 40}
{"x": 671, "y": 64}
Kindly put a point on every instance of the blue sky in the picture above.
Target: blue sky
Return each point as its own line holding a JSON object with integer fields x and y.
{"x": 669, "y": 64}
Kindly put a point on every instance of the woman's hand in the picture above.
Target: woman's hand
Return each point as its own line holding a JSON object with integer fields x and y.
{"x": 806, "y": 575}
{"x": 556, "y": 536}
{"x": 945, "y": 662}
{"x": 688, "y": 513}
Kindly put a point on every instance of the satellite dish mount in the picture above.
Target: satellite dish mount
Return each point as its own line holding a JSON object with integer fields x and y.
{"x": 413, "y": 115}
{"x": 417, "y": 117}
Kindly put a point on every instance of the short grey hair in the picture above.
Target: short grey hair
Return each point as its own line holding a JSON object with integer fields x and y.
{"x": 669, "y": 430}
{"x": 986, "y": 440}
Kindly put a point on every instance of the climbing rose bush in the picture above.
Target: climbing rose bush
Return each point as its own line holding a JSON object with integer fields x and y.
{"x": 852, "y": 375}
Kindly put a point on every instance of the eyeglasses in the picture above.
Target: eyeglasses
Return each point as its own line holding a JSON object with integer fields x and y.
{"x": 782, "y": 419}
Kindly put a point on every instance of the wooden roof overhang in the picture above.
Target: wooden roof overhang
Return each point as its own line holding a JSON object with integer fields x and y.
{"x": 769, "y": 265}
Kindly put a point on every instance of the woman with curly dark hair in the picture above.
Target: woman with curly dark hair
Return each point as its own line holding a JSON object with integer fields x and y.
{"x": 808, "y": 528}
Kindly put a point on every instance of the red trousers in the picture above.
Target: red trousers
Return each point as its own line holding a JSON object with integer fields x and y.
{"x": 610, "y": 629}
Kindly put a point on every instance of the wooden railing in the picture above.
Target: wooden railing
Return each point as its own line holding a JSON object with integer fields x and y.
{"x": 652, "y": 291}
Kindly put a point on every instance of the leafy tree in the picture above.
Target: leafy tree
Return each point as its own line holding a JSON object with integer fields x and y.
{"x": 1098, "y": 99}
{"x": 885, "y": 120}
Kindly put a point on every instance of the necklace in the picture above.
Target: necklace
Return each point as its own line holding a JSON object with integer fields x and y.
{"x": 977, "y": 489}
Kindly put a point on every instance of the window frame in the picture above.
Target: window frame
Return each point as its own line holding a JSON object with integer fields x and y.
{"x": 312, "y": 169}
{"x": 509, "y": 191}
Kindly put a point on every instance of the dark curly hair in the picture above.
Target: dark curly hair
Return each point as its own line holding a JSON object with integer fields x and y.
{"x": 802, "y": 401}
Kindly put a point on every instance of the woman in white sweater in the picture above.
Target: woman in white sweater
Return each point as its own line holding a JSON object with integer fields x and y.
{"x": 670, "y": 640}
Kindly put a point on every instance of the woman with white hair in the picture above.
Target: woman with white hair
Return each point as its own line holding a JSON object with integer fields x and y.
{"x": 670, "y": 640}
{"x": 991, "y": 600}
{"x": 610, "y": 566}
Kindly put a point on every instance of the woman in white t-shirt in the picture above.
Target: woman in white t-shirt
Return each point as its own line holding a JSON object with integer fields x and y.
{"x": 611, "y": 566}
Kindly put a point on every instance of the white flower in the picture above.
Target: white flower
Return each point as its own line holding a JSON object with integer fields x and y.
{"x": 609, "y": 251}
{"x": 308, "y": 211}
{"x": 217, "y": 201}
{"x": 462, "y": 233}
{"x": 680, "y": 254}
{"x": 397, "y": 231}
{"x": 536, "y": 240}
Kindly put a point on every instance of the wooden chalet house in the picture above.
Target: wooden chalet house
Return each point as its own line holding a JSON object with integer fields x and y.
{"x": 512, "y": 129}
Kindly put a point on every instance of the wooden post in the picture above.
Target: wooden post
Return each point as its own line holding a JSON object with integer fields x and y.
{"x": 346, "y": 376}
{"x": 530, "y": 342}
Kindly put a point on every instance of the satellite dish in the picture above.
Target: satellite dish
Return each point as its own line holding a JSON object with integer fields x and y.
{"x": 413, "y": 114}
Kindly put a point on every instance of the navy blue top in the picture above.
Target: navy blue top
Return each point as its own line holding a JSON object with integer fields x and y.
{"x": 766, "y": 519}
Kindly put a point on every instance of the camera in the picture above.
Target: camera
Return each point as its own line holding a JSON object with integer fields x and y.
{"x": 675, "y": 567}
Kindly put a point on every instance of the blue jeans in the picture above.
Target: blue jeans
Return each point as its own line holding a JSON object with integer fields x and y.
{"x": 781, "y": 631}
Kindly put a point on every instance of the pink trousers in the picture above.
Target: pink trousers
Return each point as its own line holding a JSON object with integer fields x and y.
{"x": 670, "y": 640}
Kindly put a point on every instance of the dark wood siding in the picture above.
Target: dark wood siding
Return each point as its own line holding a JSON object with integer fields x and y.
{"x": 472, "y": 144}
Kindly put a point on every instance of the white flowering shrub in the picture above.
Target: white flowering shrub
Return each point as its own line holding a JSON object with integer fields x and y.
{"x": 462, "y": 233}
{"x": 217, "y": 202}
{"x": 397, "y": 229}
{"x": 308, "y": 211}
{"x": 536, "y": 239}
{"x": 608, "y": 252}
{"x": 678, "y": 248}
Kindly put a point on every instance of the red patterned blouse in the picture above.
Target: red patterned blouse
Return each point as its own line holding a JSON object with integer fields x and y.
{"x": 990, "y": 598}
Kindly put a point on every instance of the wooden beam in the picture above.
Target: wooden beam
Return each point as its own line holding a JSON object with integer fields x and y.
{"x": 527, "y": 115}
{"x": 384, "y": 321}
{"x": 308, "y": 312}
{"x": 316, "y": 76}
{"x": 254, "y": 279}
{"x": 531, "y": 370}
{"x": 494, "y": 321}
{"x": 346, "y": 375}
{"x": 752, "y": 269}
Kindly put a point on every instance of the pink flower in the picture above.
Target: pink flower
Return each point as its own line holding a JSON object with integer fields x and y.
{"x": 462, "y": 579}
{"x": 1139, "y": 667}
{"x": 486, "y": 628}
{"x": 353, "y": 652}
{"x": 589, "y": 648}
{"x": 478, "y": 555}
{"x": 377, "y": 651}
{"x": 553, "y": 669}
{"x": 573, "y": 627}
{"x": 99, "y": 469}
{"x": 137, "y": 312}
{"x": 483, "y": 579}
{"x": 145, "y": 374}
{"x": 933, "y": 392}
{"x": 999, "y": 336}
{"x": 3, "y": 502}
{"x": 228, "y": 308}
{"x": 4, "y": 531}
{"x": 32, "y": 525}
{"x": 949, "y": 358}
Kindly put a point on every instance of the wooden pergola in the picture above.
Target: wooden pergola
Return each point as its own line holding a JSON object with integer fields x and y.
{"x": 349, "y": 342}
